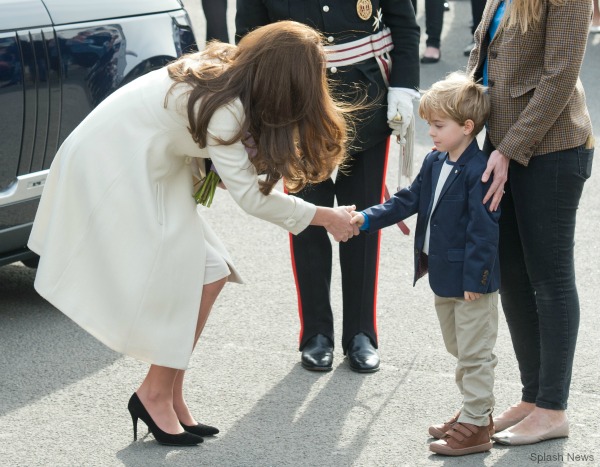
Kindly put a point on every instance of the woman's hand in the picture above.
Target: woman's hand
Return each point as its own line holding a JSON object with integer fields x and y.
{"x": 498, "y": 166}
{"x": 336, "y": 221}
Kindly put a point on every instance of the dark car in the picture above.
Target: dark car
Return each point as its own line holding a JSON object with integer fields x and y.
{"x": 58, "y": 60}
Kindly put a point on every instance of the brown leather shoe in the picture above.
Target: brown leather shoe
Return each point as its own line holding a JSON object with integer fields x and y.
{"x": 462, "y": 439}
{"x": 439, "y": 431}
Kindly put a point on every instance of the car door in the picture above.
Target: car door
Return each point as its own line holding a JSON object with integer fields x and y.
{"x": 30, "y": 88}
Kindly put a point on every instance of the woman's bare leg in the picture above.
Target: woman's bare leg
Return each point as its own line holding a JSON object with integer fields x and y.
{"x": 161, "y": 390}
{"x": 156, "y": 393}
{"x": 210, "y": 292}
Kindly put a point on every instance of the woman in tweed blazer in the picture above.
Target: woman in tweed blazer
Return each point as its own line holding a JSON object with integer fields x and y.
{"x": 540, "y": 142}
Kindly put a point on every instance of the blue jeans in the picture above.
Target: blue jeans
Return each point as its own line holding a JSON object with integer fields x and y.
{"x": 538, "y": 291}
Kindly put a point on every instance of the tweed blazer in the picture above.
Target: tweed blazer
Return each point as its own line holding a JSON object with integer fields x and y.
{"x": 538, "y": 101}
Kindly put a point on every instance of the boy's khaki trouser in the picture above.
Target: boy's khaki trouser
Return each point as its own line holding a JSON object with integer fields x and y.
{"x": 470, "y": 330}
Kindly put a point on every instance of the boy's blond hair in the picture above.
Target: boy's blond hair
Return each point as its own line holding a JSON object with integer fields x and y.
{"x": 459, "y": 98}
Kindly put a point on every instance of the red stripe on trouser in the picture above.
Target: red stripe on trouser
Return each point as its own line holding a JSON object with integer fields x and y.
{"x": 300, "y": 315}
{"x": 387, "y": 152}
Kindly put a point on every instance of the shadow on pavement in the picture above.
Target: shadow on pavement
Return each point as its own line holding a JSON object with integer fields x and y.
{"x": 287, "y": 419}
{"x": 41, "y": 350}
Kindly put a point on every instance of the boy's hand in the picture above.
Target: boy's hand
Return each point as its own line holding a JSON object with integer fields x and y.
{"x": 471, "y": 296}
{"x": 336, "y": 221}
{"x": 357, "y": 218}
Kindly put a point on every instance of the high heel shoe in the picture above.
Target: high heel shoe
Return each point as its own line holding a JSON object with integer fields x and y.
{"x": 200, "y": 429}
{"x": 137, "y": 410}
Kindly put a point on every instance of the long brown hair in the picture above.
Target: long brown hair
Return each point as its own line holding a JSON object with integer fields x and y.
{"x": 278, "y": 73}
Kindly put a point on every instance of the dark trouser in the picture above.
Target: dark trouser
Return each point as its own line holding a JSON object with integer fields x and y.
{"x": 361, "y": 184}
{"x": 434, "y": 20}
{"x": 538, "y": 291}
{"x": 215, "y": 12}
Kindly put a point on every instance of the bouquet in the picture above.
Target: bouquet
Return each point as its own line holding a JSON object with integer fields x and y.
{"x": 208, "y": 185}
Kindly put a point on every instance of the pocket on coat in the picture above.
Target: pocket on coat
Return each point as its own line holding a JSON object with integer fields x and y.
{"x": 456, "y": 255}
{"x": 521, "y": 89}
{"x": 159, "y": 204}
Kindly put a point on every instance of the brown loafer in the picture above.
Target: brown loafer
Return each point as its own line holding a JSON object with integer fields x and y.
{"x": 462, "y": 439}
{"x": 439, "y": 431}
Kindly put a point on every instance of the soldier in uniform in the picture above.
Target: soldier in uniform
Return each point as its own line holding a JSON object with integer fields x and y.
{"x": 373, "y": 50}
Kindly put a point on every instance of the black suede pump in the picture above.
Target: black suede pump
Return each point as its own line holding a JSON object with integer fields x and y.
{"x": 200, "y": 429}
{"x": 137, "y": 410}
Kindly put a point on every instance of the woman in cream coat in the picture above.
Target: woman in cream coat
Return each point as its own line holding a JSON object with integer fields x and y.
{"x": 124, "y": 251}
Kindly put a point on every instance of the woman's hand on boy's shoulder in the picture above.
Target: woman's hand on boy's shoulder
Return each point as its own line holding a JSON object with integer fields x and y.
{"x": 498, "y": 167}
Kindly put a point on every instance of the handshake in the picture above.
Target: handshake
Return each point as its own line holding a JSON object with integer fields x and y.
{"x": 342, "y": 222}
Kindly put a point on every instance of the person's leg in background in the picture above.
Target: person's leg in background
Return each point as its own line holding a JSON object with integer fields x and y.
{"x": 361, "y": 184}
{"x": 477, "y": 7}
{"x": 215, "y": 12}
{"x": 311, "y": 263}
{"x": 434, "y": 20}
{"x": 595, "y": 27}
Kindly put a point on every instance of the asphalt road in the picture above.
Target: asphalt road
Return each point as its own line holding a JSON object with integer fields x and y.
{"x": 63, "y": 395}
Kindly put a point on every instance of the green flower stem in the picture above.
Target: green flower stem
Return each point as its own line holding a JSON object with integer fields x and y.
{"x": 208, "y": 186}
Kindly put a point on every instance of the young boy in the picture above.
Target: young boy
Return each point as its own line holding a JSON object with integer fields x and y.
{"x": 456, "y": 241}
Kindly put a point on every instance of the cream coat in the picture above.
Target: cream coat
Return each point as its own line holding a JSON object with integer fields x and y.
{"x": 121, "y": 242}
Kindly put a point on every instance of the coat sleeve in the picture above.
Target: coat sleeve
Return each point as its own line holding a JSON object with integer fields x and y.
{"x": 241, "y": 179}
{"x": 399, "y": 16}
{"x": 401, "y": 205}
{"x": 481, "y": 248}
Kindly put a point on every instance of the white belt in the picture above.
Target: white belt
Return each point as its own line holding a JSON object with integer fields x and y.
{"x": 359, "y": 50}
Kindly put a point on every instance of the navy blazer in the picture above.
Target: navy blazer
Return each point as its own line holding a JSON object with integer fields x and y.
{"x": 463, "y": 242}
